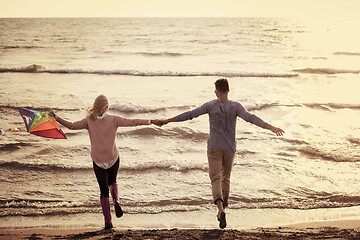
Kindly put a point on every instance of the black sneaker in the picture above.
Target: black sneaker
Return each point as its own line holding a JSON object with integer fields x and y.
{"x": 222, "y": 220}
{"x": 108, "y": 226}
{"x": 118, "y": 211}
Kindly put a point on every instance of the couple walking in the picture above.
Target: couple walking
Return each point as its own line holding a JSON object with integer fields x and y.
{"x": 221, "y": 146}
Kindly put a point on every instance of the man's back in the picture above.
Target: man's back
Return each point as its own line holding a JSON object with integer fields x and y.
{"x": 222, "y": 118}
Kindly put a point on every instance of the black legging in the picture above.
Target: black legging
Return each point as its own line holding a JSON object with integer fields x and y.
{"x": 106, "y": 177}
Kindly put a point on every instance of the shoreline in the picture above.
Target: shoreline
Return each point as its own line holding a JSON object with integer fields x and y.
{"x": 205, "y": 219}
{"x": 245, "y": 224}
{"x": 339, "y": 229}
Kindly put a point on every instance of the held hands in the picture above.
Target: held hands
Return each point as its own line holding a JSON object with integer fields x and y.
{"x": 157, "y": 122}
{"x": 160, "y": 122}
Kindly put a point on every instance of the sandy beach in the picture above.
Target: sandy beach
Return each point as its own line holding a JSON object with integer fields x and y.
{"x": 343, "y": 229}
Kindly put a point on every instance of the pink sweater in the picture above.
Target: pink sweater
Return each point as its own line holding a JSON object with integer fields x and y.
{"x": 102, "y": 133}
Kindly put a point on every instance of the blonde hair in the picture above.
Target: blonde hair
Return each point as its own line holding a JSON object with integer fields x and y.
{"x": 99, "y": 107}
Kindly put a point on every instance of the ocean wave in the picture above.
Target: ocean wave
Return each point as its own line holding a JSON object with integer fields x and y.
{"x": 262, "y": 106}
{"x": 347, "y": 53}
{"x": 295, "y": 203}
{"x": 331, "y": 106}
{"x": 176, "y": 132}
{"x": 162, "y": 54}
{"x": 119, "y": 108}
{"x": 168, "y": 202}
{"x": 282, "y": 30}
{"x": 303, "y": 199}
{"x": 36, "y": 203}
{"x": 330, "y": 71}
{"x": 138, "y": 109}
{"x": 320, "y": 106}
{"x": 355, "y": 141}
{"x": 40, "y": 108}
{"x": 39, "y": 69}
{"x": 295, "y": 198}
{"x": 313, "y": 152}
{"x": 271, "y": 30}
{"x": 259, "y": 107}
{"x": 243, "y": 153}
{"x": 41, "y": 207}
{"x": 129, "y": 108}
{"x": 38, "y": 207}
{"x": 41, "y": 167}
{"x": 323, "y": 196}
{"x": 295, "y": 142}
{"x": 11, "y": 147}
{"x": 139, "y": 168}
{"x": 19, "y": 47}
{"x": 167, "y": 166}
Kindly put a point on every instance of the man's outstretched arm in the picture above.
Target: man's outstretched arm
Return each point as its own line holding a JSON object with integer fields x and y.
{"x": 203, "y": 109}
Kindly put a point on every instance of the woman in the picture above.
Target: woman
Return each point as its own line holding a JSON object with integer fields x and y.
{"x": 102, "y": 128}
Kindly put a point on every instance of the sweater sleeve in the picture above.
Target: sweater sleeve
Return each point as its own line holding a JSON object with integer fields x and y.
{"x": 127, "y": 122}
{"x": 82, "y": 124}
{"x": 248, "y": 117}
{"x": 203, "y": 109}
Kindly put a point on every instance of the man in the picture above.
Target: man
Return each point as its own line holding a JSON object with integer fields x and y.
{"x": 221, "y": 143}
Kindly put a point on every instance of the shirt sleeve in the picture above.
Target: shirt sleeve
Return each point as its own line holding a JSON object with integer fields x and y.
{"x": 82, "y": 124}
{"x": 127, "y": 122}
{"x": 248, "y": 117}
{"x": 203, "y": 109}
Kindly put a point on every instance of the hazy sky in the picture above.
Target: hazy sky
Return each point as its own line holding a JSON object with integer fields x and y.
{"x": 179, "y": 8}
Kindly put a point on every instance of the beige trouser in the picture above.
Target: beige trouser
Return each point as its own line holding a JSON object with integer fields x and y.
{"x": 220, "y": 165}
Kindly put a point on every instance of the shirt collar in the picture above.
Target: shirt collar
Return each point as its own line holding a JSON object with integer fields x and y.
{"x": 102, "y": 116}
{"x": 223, "y": 101}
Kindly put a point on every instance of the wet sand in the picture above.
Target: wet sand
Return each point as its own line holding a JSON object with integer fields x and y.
{"x": 343, "y": 229}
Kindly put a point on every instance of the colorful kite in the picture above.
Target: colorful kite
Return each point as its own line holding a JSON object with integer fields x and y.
{"x": 41, "y": 123}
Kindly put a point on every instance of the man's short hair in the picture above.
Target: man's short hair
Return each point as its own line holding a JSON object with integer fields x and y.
{"x": 222, "y": 85}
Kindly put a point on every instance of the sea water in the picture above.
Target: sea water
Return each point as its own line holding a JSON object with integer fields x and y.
{"x": 302, "y": 76}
